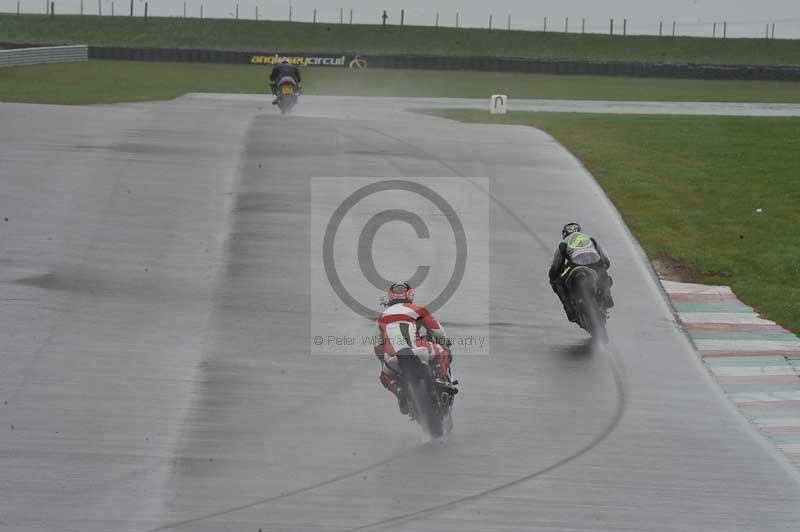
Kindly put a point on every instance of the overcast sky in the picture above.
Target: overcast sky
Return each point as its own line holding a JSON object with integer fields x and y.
{"x": 746, "y": 18}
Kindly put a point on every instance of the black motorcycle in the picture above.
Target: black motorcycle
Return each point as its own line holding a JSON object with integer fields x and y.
{"x": 585, "y": 290}
{"x": 430, "y": 399}
{"x": 288, "y": 91}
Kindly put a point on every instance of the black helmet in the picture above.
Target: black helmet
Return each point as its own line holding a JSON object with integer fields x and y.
{"x": 570, "y": 228}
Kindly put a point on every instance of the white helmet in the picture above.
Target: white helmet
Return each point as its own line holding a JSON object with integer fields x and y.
{"x": 285, "y": 60}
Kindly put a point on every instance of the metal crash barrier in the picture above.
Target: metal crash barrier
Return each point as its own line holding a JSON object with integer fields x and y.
{"x": 44, "y": 54}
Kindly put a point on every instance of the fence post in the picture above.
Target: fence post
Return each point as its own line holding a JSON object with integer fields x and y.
{"x": 545, "y": 24}
{"x": 612, "y": 27}
{"x": 773, "y": 30}
{"x": 566, "y": 25}
{"x": 490, "y": 21}
{"x": 201, "y": 11}
{"x": 624, "y": 26}
{"x": 509, "y": 22}
{"x": 661, "y": 28}
{"x": 99, "y": 8}
{"x": 714, "y": 31}
{"x": 766, "y": 32}
{"x": 402, "y": 17}
{"x": 724, "y": 30}
{"x": 145, "y": 10}
{"x": 256, "y": 12}
{"x": 131, "y": 7}
{"x": 81, "y": 7}
{"x": 237, "y": 11}
{"x": 437, "y": 19}
{"x": 456, "y": 19}
{"x": 52, "y": 9}
{"x": 314, "y": 20}
{"x": 290, "y": 12}
{"x": 673, "y": 28}
{"x": 351, "y": 16}
{"x": 112, "y": 9}
{"x": 341, "y": 15}
{"x": 583, "y": 25}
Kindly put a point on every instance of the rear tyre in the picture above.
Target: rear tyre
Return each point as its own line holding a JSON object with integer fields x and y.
{"x": 592, "y": 316}
{"x": 422, "y": 390}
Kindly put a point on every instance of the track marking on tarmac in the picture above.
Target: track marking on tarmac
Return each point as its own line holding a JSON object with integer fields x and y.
{"x": 284, "y": 495}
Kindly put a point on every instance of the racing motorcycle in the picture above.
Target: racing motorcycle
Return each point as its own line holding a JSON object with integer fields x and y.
{"x": 288, "y": 91}
{"x": 585, "y": 290}
{"x": 430, "y": 398}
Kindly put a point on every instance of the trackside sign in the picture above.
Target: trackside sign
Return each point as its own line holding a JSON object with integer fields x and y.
{"x": 310, "y": 60}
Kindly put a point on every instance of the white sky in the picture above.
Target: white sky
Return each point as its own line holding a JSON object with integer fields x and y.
{"x": 747, "y": 18}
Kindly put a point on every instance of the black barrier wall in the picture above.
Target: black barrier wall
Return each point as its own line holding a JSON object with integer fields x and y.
{"x": 529, "y": 65}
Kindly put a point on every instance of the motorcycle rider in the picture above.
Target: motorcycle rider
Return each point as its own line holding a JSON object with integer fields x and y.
{"x": 284, "y": 69}
{"x": 578, "y": 249}
{"x": 398, "y": 326}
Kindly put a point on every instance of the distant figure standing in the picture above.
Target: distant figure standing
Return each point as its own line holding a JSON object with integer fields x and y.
{"x": 384, "y": 17}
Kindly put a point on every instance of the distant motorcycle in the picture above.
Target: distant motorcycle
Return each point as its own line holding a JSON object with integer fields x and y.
{"x": 288, "y": 91}
{"x": 431, "y": 399}
{"x": 583, "y": 284}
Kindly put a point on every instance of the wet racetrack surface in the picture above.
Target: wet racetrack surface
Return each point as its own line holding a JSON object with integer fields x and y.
{"x": 156, "y": 313}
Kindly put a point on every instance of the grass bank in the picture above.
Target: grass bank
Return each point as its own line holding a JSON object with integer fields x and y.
{"x": 297, "y": 36}
{"x": 689, "y": 187}
{"x": 119, "y": 81}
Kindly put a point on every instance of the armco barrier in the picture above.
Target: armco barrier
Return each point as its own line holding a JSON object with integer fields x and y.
{"x": 43, "y": 54}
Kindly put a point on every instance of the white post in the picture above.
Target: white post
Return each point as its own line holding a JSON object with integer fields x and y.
{"x": 497, "y": 104}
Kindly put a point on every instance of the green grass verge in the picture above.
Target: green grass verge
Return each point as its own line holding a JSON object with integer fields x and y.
{"x": 274, "y": 35}
{"x": 117, "y": 81}
{"x": 689, "y": 187}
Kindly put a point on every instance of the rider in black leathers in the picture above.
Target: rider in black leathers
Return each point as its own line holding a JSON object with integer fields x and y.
{"x": 577, "y": 248}
{"x": 282, "y": 70}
